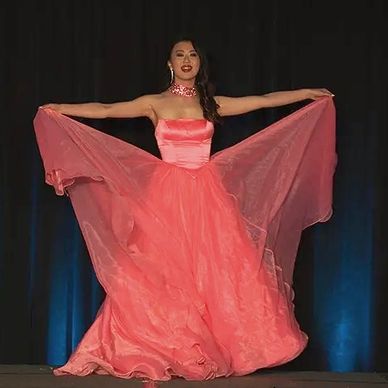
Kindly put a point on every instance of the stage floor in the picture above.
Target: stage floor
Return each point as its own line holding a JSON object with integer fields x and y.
{"x": 40, "y": 376}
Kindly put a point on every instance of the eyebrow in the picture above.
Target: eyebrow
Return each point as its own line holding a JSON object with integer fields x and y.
{"x": 179, "y": 50}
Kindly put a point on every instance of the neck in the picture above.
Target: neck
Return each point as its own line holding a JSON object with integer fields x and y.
{"x": 189, "y": 83}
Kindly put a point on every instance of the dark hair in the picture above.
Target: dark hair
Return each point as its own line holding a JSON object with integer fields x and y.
{"x": 205, "y": 88}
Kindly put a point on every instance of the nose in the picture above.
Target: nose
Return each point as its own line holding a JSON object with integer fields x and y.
{"x": 186, "y": 59}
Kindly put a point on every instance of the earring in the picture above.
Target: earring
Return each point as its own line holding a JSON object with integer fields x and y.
{"x": 171, "y": 75}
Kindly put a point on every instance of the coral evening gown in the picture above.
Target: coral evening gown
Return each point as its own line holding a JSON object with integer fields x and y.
{"x": 195, "y": 252}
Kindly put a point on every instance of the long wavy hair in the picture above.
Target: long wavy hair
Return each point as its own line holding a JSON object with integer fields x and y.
{"x": 205, "y": 88}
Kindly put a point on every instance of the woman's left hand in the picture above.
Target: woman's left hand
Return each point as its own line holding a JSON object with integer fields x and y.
{"x": 314, "y": 94}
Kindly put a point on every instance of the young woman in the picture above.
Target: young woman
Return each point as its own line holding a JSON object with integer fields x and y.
{"x": 195, "y": 253}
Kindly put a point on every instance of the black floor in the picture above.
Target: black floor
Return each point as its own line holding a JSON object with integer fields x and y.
{"x": 40, "y": 376}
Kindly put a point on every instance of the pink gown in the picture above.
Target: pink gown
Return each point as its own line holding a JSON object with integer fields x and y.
{"x": 195, "y": 253}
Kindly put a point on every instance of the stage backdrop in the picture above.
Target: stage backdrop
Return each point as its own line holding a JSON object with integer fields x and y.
{"x": 79, "y": 51}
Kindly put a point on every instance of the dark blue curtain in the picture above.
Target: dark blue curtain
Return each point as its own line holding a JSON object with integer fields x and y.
{"x": 99, "y": 51}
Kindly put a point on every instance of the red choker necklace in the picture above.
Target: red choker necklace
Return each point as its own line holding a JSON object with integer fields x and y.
{"x": 181, "y": 90}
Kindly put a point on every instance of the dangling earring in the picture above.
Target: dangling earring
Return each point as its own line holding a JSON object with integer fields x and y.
{"x": 171, "y": 75}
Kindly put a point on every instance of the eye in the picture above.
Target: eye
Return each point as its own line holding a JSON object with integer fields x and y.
{"x": 179, "y": 55}
{"x": 193, "y": 54}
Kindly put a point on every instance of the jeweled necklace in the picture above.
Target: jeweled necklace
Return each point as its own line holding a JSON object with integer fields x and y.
{"x": 181, "y": 90}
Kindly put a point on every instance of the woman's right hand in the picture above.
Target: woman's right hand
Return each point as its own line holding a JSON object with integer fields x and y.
{"x": 56, "y": 107}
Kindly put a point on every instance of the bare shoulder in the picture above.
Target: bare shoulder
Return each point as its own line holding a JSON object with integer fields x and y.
{"x": 150, "y": 97}
{"x": 148, "y": 100}
{"x": 152, "y": 104}
{"x": 223, "y": 103}
{"x": 140, "y": 106}
{"x": 221, "y": 100}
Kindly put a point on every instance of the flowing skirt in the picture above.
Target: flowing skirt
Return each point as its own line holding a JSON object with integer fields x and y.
{"x": 196, "y": 263}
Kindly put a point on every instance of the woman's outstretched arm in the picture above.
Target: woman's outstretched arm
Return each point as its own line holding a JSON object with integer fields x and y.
{"x": 229, "y": 106}
{"x": 139, "y": 107}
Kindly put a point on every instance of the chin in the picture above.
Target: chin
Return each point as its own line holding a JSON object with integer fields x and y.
{"x": 187, "y": 76}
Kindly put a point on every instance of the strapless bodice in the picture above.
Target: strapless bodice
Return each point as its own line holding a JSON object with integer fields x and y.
{"x": 184, "y": 142}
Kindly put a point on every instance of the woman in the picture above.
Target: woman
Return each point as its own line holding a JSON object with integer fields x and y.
{"x": 195, "y": 253}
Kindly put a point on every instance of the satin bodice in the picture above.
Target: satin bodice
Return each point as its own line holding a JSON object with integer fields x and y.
{"x": 184, "y": 142}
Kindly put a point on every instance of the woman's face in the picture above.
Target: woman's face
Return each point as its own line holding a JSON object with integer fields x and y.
{"x": 184, "y": 60}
